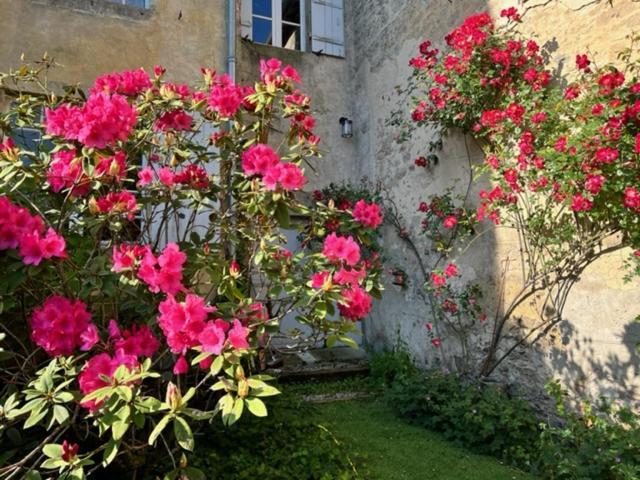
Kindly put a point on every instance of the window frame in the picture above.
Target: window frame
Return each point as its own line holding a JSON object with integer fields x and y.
{"x": 277, "y": 24}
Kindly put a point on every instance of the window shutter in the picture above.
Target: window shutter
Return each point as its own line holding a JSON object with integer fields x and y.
{"x": 245, "y": 19}
{"x": 327, "y": 27}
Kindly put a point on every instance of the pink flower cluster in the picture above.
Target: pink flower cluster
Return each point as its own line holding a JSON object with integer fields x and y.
{"x": 185, "y": 326}
{"x": 260, "y": 159}
{"x": 130, "y": 83}
{"x": 270, "y": 72}
{"x": 161, "y": 274}
{"x": 368, "y": 214}
{"x": 112, "y": 169}
{"x": 66, "y": 172}
{"x": 225, "y": 97}
{"x": 356, "y": 303}
{"x": 91, "y": 377}
{"x": 102, "y": 121}
{"x": 174, "y": 120}
{"x": 341, "y": 249}
{"x": 19, "y": 229}
{"x": 61, "y": 325}
{"x": 118, "y": 203}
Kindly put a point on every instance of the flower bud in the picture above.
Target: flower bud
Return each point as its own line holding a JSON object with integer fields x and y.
{"x": 173, "y": 397}
{"x": 243, "y": 388}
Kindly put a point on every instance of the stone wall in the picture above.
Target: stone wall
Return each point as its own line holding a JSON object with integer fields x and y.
{"x": 593, "y": 350}
{"x": 91, "y": 37}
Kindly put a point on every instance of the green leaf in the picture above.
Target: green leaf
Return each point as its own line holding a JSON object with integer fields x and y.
{"x": 52, "y": 450}
{"x": 34, "y": 418}
{"x": 118, "y": 429}
{"x": 282, "y": 215}
{"x": 110, "y": 452}
{"x": 183, "y": 433}
{"x": 256, "y": 406}
{"x": 158, "y": 429}
{"x": 32, "y": 475}
{"x": 60, "y": 413}
{"x": 217, "y": 365}
{"x": 266, "y": 391}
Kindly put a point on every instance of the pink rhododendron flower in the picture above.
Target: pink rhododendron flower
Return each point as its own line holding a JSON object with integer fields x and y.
{"x": 258, "y": 159}
{"x": 90, "y": 378}
{"x": 511, "y": 13}
{"x": 291, "y": 177}
{"x": 112, "y": 168}
{"x": 436, "y": 342}
{"x": 368, "y": 214}
{"x": 66, "y": 172}
{"x": 130, "y": 83}
{"x": 137, "y": 341}
{"x": 193, "y": 176}
{"x": 351, "y": 276}
{"x": 145, "y": 176}
{"x": 356, "y": 303}
{"x": 162, "y": 274}
{"x": 181, "y": 366}
{"x": 291, "y": 73}
{"x": 100, "y": 122}
{"x": 319, "y": 279}
{"x": 118, "y": 203}
{"x": 341, "y": 249}
{"x": 69, "y": 451}
{"x": 213, "y": 336}
{"x": 59, "y": 325}
{"x": 225, "y": 97}
{"x": 166, "y": 177}
{"x": 238, "y": 335}
{"x": 174, "y": 120}
{"x": 89, "y": 338}
{"x": 182, "y": 322}
{"x": 269, "y": 69}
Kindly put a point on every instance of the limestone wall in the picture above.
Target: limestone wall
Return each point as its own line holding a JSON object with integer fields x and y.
{"x": 91, "y": 37}
{"x": 593, "y": 350}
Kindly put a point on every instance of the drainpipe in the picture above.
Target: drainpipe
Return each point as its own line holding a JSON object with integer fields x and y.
{"x": 231, "y": 39}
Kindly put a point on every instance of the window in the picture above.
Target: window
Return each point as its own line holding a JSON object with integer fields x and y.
{"x": 133, "y": 3}
{"x": 276, "y": 22}
{"x": 283, "y": 23}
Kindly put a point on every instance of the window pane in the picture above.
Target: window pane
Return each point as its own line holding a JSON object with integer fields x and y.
{"x": 291, "y": 11}
{"x": 135, "y": 3}
{"x": 262, "y": 7}
{"x": 261, "y": 30}
{"x": 291, "y": 36}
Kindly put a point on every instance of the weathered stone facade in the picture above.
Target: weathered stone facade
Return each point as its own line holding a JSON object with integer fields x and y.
{"x": 593, "y": 351}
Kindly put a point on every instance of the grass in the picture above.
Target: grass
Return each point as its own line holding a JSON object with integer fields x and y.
{"x": 394, "y": 450}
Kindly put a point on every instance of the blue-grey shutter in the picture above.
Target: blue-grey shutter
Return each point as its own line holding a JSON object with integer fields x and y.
{"x": 327, "y": 27}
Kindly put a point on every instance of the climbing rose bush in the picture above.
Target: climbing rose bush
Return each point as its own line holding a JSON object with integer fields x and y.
{"x": 146, "y": 264}
{"x": 562, "y": 164}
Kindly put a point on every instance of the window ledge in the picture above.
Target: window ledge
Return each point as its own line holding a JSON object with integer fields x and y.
{"x": 281, "y": 50}
{"x": 100, "y": 7}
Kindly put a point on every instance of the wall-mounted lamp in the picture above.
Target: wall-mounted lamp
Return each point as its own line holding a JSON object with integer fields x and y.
{"x": 346, "y": 127}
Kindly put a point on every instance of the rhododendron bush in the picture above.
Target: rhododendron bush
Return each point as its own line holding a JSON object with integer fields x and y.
{"x": 145, "y": 266}
{"x": 563, "y": 164}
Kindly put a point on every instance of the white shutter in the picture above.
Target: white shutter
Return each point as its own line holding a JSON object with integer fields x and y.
{"x": 245, "y": 19}
{"x": 327, "y": 27}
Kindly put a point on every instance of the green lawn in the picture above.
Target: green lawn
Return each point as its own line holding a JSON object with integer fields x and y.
{"x": 395, "y": 450}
